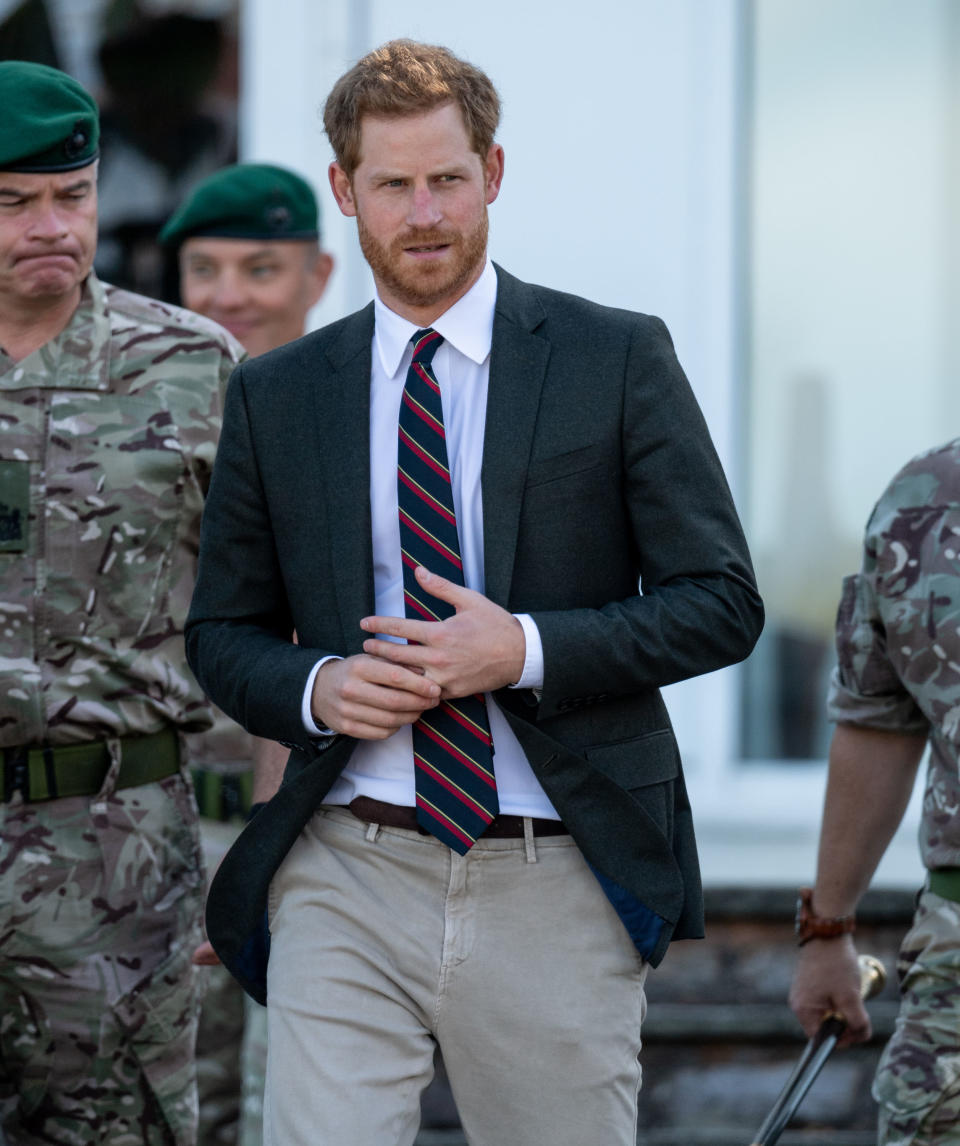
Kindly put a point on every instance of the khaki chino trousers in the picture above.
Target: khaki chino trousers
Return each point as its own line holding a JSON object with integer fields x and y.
{"x": 511, "y": 958}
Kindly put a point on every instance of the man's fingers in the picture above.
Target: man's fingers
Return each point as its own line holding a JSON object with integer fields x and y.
{"x": 376, "y": 722}
{"x": 437, "y": 586}
{"x": 369, "y": 698}
{"x": 408, "y": 687}
{"x": 417, "y": 632}
{"x": 354, "y": 677}
{"x": 411, "y": 656}
{"x": 858, "y": 1021}
{"x": 811, "y": 1011}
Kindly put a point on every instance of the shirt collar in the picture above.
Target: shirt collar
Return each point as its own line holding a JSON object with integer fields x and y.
{"x": 77, "y": 359}
{"x": 467, "y": 325}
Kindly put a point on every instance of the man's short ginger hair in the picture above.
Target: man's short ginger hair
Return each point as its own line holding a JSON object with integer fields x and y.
{"x": 404, "y": 77}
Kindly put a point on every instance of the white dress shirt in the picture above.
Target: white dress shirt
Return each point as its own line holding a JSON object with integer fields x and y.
{"x": 383, "y": 769}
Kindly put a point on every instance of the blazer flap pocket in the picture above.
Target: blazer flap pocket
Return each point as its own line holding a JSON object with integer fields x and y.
{"x": 562, "y": 465}
{"x": 649, "y": 759}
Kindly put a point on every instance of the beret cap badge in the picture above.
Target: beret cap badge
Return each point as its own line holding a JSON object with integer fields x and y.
{"x": 77, "y": 142}
{"x": 278, "y": 217}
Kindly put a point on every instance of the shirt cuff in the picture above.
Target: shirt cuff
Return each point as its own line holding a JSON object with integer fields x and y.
{"x": 532, "y": 675}
{"x": 311, "y": 727}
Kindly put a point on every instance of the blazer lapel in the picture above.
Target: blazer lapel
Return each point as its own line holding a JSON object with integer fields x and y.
{"x": 345, "y": 425}
{"x": 518, "y": 363}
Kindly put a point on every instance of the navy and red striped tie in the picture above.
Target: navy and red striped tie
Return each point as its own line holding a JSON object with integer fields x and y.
{"x": 452, "y": 747}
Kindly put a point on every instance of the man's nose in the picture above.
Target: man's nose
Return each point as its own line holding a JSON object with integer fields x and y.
{"x": 228, "y": 292}
{"x": 48, "y": 223}
{"x": 424, "y": 208}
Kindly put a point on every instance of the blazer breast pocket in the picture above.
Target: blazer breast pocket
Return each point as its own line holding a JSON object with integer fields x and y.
{"x": 568, "y": 464}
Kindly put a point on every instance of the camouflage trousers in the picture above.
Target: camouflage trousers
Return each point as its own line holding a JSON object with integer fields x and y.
{"x": 232, "y": 1039}
{"x": 231, "y": 1063}
{"x": 918, "y": 1078}
{"x": 100, "y": 902}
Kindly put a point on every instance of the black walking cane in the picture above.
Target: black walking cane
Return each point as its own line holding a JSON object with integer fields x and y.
{"x": 815, "y": 1054}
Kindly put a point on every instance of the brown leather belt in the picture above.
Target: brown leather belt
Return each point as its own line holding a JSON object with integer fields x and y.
{"x": 402, "y": 816}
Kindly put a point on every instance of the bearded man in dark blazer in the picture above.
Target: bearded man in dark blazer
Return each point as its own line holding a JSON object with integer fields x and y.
{"x": 494, "y": 517}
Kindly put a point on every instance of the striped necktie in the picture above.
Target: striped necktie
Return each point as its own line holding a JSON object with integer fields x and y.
{"x": 452, "y": 747}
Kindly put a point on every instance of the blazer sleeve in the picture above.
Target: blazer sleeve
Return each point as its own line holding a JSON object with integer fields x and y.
{"x": 698, "y": 608}
{"x": 239, "y": 629}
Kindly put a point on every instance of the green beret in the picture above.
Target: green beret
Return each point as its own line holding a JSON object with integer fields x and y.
{"x": 49, "y": 123}
{"x": 247, "y": 201}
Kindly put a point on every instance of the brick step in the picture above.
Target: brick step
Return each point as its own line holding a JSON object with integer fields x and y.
{"x": 742, "y": 1023}
{"x": 713, "y": 1137}
{"x": 694, "y": 1137}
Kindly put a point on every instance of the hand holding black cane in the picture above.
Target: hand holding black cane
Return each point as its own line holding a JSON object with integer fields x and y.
{"x": 815, "y": 1054}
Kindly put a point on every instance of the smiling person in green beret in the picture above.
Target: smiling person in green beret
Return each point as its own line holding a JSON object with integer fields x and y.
{"x": 249, "y": 253}
{"x": 248, "y": 244}
{"x": 110, "y": 408}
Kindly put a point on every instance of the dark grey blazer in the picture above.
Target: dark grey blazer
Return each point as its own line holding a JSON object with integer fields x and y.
{"x": 598, "y": 472}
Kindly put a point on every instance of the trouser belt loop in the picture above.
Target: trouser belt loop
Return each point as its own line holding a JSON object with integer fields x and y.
{"x": 16, "y": 775}
{"x": 529, "y": 845}
{"x": 50, "y": 771}
{"x": 110, "y": 782}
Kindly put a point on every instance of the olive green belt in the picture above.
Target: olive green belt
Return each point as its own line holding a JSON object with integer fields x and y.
{"x": 945, "y": 882}
{"x": 48, "y": 772}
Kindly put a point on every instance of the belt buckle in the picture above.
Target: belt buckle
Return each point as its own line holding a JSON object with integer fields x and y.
{"x": 16, "y": 772}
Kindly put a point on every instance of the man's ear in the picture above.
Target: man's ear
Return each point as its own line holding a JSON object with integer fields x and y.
{"x": 319, "y": 274}
{"x": 493, "y": 171}
{"x": 342, "y": 190}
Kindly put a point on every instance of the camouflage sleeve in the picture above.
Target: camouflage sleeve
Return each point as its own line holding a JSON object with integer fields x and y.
{"x": 210, "y": 419}
{"x": 866, "y": 688}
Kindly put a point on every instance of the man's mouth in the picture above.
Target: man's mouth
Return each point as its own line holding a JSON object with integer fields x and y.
{"x": 427, "y": 248}
{"x": 41, "y": 256}
{"x": 234, "y": 323}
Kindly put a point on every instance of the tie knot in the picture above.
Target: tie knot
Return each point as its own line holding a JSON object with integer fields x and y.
{"x": 425, "y": 345}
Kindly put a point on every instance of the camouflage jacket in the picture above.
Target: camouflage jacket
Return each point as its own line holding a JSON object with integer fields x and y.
{"x": 107, "y": 437}
{"x": 898, "y": 634}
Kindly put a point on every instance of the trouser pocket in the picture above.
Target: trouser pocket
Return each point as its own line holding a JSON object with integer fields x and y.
{"x": 918, "y": 1079}
{"x": 918, "y": 1090}
{"x": 160, "y": 1018}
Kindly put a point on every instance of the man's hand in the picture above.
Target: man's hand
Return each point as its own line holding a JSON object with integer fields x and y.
{"x": 205, "y": 956}
{"x": 480, "y": 648}
{"x": 827, "y": 979}
{"x": 369, "y": 698}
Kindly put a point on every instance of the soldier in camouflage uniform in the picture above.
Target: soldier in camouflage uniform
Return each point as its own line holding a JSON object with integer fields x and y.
{"x": 109, "y": 414}
{"x": 250, "y": 259}
{"x": 896, "y": 690}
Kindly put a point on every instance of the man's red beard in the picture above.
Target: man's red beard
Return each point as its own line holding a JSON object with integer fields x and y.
{"x": 423, "y": 284}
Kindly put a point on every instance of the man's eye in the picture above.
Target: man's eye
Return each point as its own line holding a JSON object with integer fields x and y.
{"x": 264, "y": 270}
